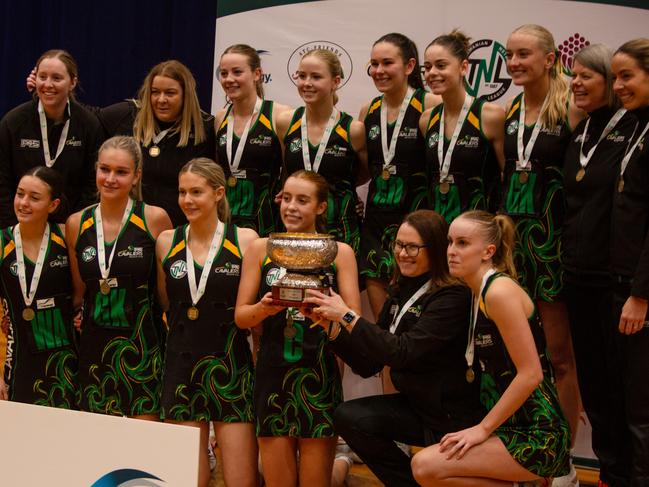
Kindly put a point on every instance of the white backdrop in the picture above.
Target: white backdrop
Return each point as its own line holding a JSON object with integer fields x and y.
{"x": 350, "y": 27}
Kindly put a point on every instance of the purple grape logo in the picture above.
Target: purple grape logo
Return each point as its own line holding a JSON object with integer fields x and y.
{"x": 568, "y": 48}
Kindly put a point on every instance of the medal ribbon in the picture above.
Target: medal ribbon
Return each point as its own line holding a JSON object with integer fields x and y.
{"x": 583, "y": 159}
{"x": 28, "y": 296}
{"x": 627, "y": 156}
{"x": 101, "y": 246}
{"x": 445, "y": 161}
{"x": 525, "y": 151}
{"x": 390, "y": 150}
{"x": 306, "y": 157}
{"x": 46, "y": 143}
{"x": 197, "y": 292}
{"x": 475, "y": 302}
{"x": 234, "y": 163}
{"x": 397, "y": 318}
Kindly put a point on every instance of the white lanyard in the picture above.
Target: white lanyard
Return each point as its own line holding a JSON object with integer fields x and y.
{"x": 445, "y": 161}
{"x": 627, "y": 156}
{"x": 525, "y": 151}
{"x": 161, "y": 135}
{"x": 397, "y": 319}
{"x": 197, "y": 292}
{"x": 46, "y": 143}
{"x": 306, "y": 157}
{"x": 584, "y": 159}
{"x": 28, "y": 296}
{"x": 470, "y": 346}
{"x": 234, "y": 163}
{"x": 390, "y": 150}
{"x": 101, "y": 247}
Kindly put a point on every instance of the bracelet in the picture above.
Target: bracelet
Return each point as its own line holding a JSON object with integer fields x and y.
{"x": 332, "y": 335}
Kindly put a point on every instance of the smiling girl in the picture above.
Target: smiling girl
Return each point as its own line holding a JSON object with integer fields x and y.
{"x": 36, "y": 296}
{"x": 113, "y": 272}
{"x": 53, "y": 130}
{"x": 297, "y": 383}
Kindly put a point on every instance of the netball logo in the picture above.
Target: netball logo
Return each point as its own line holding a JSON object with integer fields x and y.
{"x": 343, "y": 56}
{"x": 512, "y": 127}
{"x": 178, "y": 269}
{"x": 275, "y": 275}
{"x": 374, "y": 132}
{"x": 487, "y": 76}
{"x": 13, "y": 268}
{"x": 295, "y": 145}
{"x": 88, "y": 254}
{"x": 433, "y": 139}
{"x": 567, "y": 50}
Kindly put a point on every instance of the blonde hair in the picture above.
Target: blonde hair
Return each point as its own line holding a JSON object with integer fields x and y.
{"x": 129, "y": 145}
{"x": 332, "y": 62}
{"x": 215, "y": 177}
{"x": 191, "y": 119}
{"x": 254, "y": 62}
{"x": 559, "y": 93}
{"x": 498, "y": 230}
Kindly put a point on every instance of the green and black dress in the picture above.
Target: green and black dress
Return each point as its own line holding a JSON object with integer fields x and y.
{"x": 251, "y": 198}
{"x": 474, "y": 168}
{"x": 537, "y": 434}
{"x": 297, "y": 382}
{"x": 537, "y": 206}
{"x": 339, "y": 166}
{"x": 41, "y": 364}
{"x": 388, "y": 201}
{"x": 208, "y": 371}
{"x": 120, "y": 353}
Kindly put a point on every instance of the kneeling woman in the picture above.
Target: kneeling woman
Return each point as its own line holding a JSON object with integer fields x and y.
{"x": 421, "y": 334}
{"x": 113, "y": 270}
{"x": 297, "y": 384}
{"x": 41, "y": 366}
{"x": 524, "y": 436}
{"x": 208, "y": 366}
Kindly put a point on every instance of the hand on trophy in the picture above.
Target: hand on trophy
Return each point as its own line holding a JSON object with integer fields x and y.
{"x": 267, "y": 306}
{"x": 327, "y": 307}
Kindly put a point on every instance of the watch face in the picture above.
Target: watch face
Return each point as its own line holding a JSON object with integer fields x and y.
{"x": 349, "y": 317}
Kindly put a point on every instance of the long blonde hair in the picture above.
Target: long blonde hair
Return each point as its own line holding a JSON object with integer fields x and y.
{"x": 557, "y": 110}
{"x": 191, "y": 119}
{"x": 332, "y": 62}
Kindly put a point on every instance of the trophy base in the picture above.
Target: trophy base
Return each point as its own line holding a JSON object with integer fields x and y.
{"x": 289, "y": 296}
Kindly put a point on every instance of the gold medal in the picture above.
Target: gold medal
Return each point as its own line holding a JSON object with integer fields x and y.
{"x": 470, "y": 375}
{"x": 192, "y": 313}
{"x": 620, "y": 185}
{"x": 154, "y": 151}
{"x": 385, "y": 174}
{"x": 444, "y": 187}
{"x": 523, "y": 176}
{"x": 580, "y": 174}
{"x": 232, "y": 181}
{"x": 104, "y": 287}
{"x": 28, "y": 314}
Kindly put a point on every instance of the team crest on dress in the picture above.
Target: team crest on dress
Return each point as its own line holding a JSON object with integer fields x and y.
{"x": 88, "y": 254}
{"x": 374, "y": 132}
{"x": 178, "y": 269}
{"x": 295, "y": 145}
{"x": 512, "y": 127}
{"x": 275, "y": 275}
{"x": 13, "y": 268}
{"x": 433, "y": 139}
{"x": 223, "y": 139}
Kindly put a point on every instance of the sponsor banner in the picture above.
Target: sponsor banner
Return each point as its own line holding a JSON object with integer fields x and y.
{"x": 284, "y": 31}
{"x": 94, "y": 450}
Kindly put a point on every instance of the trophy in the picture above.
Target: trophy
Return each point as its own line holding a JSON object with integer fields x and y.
{"x": 305, "y": 256}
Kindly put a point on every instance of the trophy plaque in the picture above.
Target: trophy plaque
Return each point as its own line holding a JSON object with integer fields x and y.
{"x": 305, "y": 256}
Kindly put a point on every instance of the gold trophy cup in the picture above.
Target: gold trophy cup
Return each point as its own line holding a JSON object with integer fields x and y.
{"x": 305, "y": 256}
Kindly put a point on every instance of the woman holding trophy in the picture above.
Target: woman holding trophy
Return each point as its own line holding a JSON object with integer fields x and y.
{"x": 297, "y": 383}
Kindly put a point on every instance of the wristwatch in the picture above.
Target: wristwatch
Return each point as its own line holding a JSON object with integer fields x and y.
{"x": 348, "y": 318}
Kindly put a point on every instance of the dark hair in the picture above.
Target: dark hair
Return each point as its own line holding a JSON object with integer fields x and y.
{"x": 433, "y": 230}
{"x": 407, "y": 50}
{"x": 456, "y": 42}
{"x": 321, "y": 193}
{"x": 68, "y": 61}
{"x": 253, "y": 61}
{"x": 638, "y": 49}
{"x": 498, "y": 230}
{"x": 54, "y": 182}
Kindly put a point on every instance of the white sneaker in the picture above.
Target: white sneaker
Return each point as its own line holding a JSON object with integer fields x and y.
{"x": 570, "y": 480}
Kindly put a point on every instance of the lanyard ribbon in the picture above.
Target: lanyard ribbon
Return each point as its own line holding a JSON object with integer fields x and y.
{"x": 445, "y": 161}
{"x": 195, "y": 291}
{"x": 306, "y": 157}
{"x": 28, "y": 295}
{"x": 397, "y": 319}
{"x": 390, "y": 150}
{"x": 234, "y": 163}
{"x": 49, "y": 162}
{"x": 101, "y": 246}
